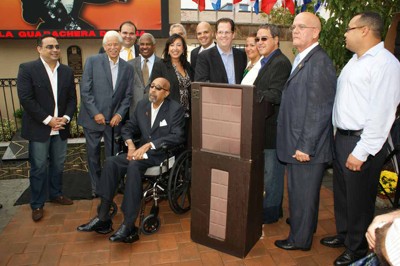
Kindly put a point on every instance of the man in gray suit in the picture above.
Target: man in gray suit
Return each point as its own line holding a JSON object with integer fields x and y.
{"x": 146, "y": 59}
{"x": 106, "y": 91}
{"x": 304, "y": 132}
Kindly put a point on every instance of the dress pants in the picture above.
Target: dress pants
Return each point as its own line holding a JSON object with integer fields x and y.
{"x": 47, "y": 165}
{"x": 304, "y": 184}
{"x": 355, "y": 193}
{"x": 274, "y": 172}
{"x": 93, "y": 148}
{"x": 114, "y": 169}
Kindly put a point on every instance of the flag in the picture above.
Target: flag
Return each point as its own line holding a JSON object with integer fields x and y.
{"x": 236, "y": 4}
{"x": 316, "y": 6}
{"x": 201, "y": 4}
{"x": 304, "y": 4}
{"x": 267, "y": 5}
{"x": 289, "y": 4}
{"x": 216, "y": 4}
{"x": 255, "y": 5}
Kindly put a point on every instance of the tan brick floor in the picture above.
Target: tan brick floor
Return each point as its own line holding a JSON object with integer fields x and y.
{"x": 55, "y": 241}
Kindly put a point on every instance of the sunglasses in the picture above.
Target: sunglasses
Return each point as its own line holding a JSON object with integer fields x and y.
{"x": 157, "y": 87}
{"x": 264, "y": 39}
{"x": 51, "y": 47}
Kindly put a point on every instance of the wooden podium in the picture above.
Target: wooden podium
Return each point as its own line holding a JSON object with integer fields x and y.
{"x": 227, "y": 167}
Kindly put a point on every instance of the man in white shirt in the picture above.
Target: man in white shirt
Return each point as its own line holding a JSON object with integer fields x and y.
{"x": 368, "y": 92}
{"x": 46, "y": 90}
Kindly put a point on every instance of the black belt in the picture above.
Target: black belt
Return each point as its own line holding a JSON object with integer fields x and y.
{"x": 354, "y": 133}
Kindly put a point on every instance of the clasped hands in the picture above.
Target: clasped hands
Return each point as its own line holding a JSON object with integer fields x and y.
{"x": 301, "y": 156}
{"x": 57, "y": 123}
{"x": 101, "y": 120}
{"x": 137, "y": 154}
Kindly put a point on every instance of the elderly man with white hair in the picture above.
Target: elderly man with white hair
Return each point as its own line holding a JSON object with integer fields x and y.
{"x": 106, "y": 91}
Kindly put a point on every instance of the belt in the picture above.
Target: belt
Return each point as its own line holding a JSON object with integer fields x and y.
{"x": 345, "y": 132}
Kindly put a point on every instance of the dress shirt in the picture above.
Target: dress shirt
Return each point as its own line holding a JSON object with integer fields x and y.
{"x": 252, "y": 74}
{"x": 210, "y": 46}
{"x": 227, "y": 59}
{"x": 124, "y": 53}
{"x": 150, "y": 62}
{"x": 114, "y": 71}
{"x": 368, "y": 92}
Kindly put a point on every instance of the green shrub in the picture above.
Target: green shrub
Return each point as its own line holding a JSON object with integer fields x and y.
{"x": 7, "y": 129}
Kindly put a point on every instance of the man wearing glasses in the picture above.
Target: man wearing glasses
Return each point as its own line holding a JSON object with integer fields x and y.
{"x": 222, "y": 63}
{"x": 157, "y": 121}
{"x": 368, "y": 94}
{"x": 304, "y": 131}
{"x": 46, "y": 91}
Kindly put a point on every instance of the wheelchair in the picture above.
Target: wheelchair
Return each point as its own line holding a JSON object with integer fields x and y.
{"x": 170, "y": 181}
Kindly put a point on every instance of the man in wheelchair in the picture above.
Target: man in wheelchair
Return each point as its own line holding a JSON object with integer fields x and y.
{"x": 159, "y": 121}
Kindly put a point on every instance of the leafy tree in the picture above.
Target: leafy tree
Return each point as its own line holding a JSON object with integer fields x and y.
{"x": 332, "y": 35}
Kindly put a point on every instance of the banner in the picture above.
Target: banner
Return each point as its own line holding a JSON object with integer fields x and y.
{"x": 80, "y": 18}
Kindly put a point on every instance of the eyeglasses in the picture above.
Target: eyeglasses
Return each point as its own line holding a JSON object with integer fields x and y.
{"x": 224, "y": 32}
{"x": 157, "y": 87}
{"x": 264, "y": 39}
{"x": 300, "y": 27}
{"x": 51, "y": 47}
{"x": 353, "y": 28}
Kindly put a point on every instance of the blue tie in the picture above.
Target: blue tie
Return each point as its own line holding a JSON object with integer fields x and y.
{"x": 296, "y": 62}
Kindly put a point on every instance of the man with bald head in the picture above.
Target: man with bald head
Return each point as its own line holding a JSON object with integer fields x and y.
{"x": 368, "y": 94}
{"x": 205, "y": 36}
{"x": 157, "y": 121}
{"x": 304, "y": 132}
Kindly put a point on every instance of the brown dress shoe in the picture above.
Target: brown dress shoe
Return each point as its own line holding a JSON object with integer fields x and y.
{"x": 62, "y": 200}
{"x": 37, "y": 214}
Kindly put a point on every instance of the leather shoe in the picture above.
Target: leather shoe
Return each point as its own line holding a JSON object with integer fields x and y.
{"x": 125, "y": 234}
{"x": 285, "y": 244}
{"x": 347, "y": 258}
{"x": 97, "y": 225}
{"x": 62, "y": 200}
{"x": 332, "y": 242}
{"x": 37, "y": 214}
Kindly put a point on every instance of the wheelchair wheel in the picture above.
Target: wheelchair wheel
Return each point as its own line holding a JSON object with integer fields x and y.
{"x": 150, "y": 224}
{"x": 113, "y": 209}
{"x": 179, "y": 183}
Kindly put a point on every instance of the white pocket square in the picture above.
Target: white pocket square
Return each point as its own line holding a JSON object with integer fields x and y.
{"x": 163, "y": 123}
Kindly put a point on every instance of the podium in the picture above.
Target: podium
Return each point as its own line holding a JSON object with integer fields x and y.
{"x": 227, "y": 167}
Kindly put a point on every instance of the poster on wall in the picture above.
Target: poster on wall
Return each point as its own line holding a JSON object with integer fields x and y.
{"x": 26, "y": 19}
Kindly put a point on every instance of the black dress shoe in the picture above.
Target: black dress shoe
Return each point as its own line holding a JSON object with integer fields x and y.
{"x": 332, "y": 242}
{"x": 97, "y": 225}
{"x": 347, "y": 258}
{"x": 125, "y": 234}
{"x": 285, "y": 244}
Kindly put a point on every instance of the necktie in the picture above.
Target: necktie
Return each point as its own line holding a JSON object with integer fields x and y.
{"x": 129, "y": 51}
{"x": 296, "y": 62}
{"x": 145, "y": 71}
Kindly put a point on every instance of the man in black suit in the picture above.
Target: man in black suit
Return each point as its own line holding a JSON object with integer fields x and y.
{"x": 158, "y": 121}
{"x": 222, "y": 63}
{"x": 269, "y": 83}
{"x": 46, "y": 91}
{"x": 304, "y": 135}
{"x": 205, "y": 36}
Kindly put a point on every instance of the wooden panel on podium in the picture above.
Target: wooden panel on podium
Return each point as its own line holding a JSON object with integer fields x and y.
{"x": 227, "y": 167}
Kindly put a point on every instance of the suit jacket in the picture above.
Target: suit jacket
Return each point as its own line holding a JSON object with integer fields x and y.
{"x": 166, "y": 70}
{"x": 269, "y": 85}
{"x": 193, "y": 56}
{"x": 210, "y": 67}
{"x": 36, "y": 97}
{"x": 168, "y": 127}
{"x": 97, "y": 95}
{"x": 304, "y": 120}
{"x": 139, "y": 88}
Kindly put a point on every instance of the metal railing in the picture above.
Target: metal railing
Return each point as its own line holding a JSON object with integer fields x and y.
{"x": 11, "y": 109}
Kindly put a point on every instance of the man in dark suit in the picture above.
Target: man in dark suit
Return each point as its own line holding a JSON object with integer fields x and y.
{"x": 106, "y": 91}
{"x": 269, "y": 83}
{"x": 46, "y": 91}
{"x": 222, "y": 63}
{"x": 304, "y": 135}
{"x": 130, "y": 49}
{"x": 205, "y": 36}
{"x": 159, "y": 122}
{"x": 142, "y": 67}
